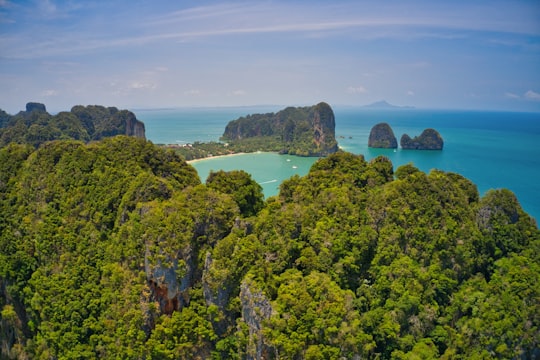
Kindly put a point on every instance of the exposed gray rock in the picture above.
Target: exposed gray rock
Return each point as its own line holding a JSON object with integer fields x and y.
{"x": 34, "y": 106}
{"x": 256, "y": 308}
{"x": 170, "y": 279}
{"x": 382, "y": 136}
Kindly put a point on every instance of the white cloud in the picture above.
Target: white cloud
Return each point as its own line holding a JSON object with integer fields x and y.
{"x": 49, "y": 92}
{"x": 47, "y": 7}
{"x": 531, "y": 95}
{"x": 356, "y": 90}
{"x": 511, "y": 95}
{"x": 238, "y": 93}
{"x": 410, "y": 93}
{"x": 192, "y": 92}
{"x": 142, "y": 85}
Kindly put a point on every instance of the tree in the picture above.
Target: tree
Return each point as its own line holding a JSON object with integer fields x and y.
{"x": 246, "y": 192}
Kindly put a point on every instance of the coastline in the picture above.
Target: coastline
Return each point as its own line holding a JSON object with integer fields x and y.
{"x": 214, "y": 157}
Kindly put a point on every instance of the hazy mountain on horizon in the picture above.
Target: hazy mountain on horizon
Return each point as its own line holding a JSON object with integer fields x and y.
{"x": 383, "y": 104}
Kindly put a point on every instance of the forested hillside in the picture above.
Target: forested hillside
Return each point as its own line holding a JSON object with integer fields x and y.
{"x": 302, "y": 131}
{"x": 36, "y": 126}
{"x": 114, "y": 249}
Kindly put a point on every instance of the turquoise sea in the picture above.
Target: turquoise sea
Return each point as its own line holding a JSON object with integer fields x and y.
{"x": 493, "y": 149}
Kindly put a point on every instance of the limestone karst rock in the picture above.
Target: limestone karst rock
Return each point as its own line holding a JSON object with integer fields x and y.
{"x": 430, "y": 139}
{"x": 304, "y": 131}
{"x": 382, "y": 136}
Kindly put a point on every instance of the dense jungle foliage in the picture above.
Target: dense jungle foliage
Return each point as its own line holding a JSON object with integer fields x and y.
{"x": 86, "y": 123}
{"x": 302, "y": 131}
{"x": 114, "y": 249}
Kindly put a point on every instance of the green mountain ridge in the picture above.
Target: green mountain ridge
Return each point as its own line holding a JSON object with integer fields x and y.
{"x": 115, "y": 249}
{"x": 36, "y": 126}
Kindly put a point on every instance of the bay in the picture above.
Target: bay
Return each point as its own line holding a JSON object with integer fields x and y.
{"x": 492, "y": 149}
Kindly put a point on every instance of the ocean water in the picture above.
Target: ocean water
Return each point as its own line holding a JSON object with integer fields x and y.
{"x": 492, "y": 149}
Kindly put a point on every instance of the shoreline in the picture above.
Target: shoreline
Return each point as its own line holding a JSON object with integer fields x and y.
{"x": 215, "y": 157}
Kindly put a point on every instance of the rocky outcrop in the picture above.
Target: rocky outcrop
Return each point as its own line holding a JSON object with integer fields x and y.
{"x": 498, "y": 207}
{"x": 304, "y": 131}
{"x": 256, "y": 308}
{"x": 324, "y": 126}
{"x": 101, "y": 122}
{"x": 134, "y": 127}
{"x": 430, "y": 139}
{"x": 214, "y": 294}
{"x": 34, "y": 106}
{"x": 382, "y": 136}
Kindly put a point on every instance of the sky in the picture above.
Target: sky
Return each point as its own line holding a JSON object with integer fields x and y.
{"x": 459, "y": 54}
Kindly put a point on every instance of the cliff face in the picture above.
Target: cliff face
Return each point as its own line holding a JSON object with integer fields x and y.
{"x": 256, "y": 309}
{"x": 430, "y": 139}
{"x": 103, "y": 121}
{"x": 305, "y": 131}
{"x": 135, "y": 127}
{"x": 382, "y": 136}
{"x": 324, "y": 126}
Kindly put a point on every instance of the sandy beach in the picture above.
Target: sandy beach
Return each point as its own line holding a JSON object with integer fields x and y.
{"x": 214, "y": 157}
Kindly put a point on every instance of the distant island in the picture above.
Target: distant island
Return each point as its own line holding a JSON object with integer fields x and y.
{"x": 384, "y": 105}
{"x": 382, "y": 136}
{"x": 302, "y": 131}
{"x": 86, "y": 123}
{"x": 430, "y": 139}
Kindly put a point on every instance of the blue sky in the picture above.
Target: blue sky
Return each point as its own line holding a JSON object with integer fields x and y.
{"x": 139, "y": 54}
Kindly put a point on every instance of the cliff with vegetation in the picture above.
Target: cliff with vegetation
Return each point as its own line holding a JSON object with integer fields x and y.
{"x": 86, "y": 123}
{"x": 115, "y": 249}
{"x": 303, "y": 131}
{"x": 382, "y": 136}
{"x": 430, "y": 139}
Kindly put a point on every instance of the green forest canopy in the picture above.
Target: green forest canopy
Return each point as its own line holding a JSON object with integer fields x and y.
{"x": 36, "y": 126}
{"x": 115, "y": 249}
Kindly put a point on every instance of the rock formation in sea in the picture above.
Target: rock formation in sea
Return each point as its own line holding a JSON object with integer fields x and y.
{"x": 430, "y": 139}
{"x": 303, "y": 131}
{"x": 382, "y": 136}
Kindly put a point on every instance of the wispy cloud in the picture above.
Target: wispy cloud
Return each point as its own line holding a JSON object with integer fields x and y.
{"x": 226, "y": 19}
{"x": 511, "y": 95}
{"x": 49, "y": 92}
{"x": 138, "y": 85}
{"x": 193, "y": 92}
{"x": 47, "y": 7}
{"x": 198, "y": 13}
{"x": 532, "y": 95}
{"x": 286, "y": 17}
{"x": 238, "y": 92}
{"x": 356, "y": 90}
